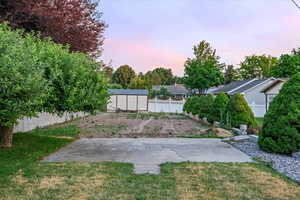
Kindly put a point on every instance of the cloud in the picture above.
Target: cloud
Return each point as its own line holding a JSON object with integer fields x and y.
{"x": 142, "y": 55}
{"x": 147, "y": 34}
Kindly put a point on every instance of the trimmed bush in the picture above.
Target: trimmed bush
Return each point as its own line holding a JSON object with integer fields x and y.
{"x": 199, "y": 105}
{"x": 205, "y": 105}
{"x": 193, "y": 105}
{"x": 186, "y": 106}
{"x": 218, "y": 109}
{"x": 281, "y": 127}
{"x": 238, "y": 112}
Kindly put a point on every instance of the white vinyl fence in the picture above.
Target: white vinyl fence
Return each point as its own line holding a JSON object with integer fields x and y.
{"x": 166, "y": 106}
{"x": 45, "y": 119}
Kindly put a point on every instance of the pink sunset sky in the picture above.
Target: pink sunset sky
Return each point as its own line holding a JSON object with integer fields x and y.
{"x": 146, "y": 34}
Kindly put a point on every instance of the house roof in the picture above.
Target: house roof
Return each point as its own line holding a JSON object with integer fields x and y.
{"x": 248, "y": 86}
{"x": 127, "y": 92}
{"x": 173, "y": 89}
{"x": 231, "y": 86}
{"x": 272, "y": 85}
{"x": 240, "y": 86}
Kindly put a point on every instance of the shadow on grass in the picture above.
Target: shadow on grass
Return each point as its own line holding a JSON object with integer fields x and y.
{"x": 33, "y": 146}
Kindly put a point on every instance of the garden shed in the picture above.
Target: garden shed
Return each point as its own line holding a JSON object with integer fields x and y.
{"x": 128, "y": 100}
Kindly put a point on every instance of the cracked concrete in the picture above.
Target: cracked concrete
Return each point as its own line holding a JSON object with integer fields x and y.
{"x": 148, "y": 153}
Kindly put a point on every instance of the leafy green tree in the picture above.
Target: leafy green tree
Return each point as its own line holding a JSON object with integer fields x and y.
{"x": 75, "y": 83}
{"x": 137, "y": 83}
{"x": 281, "y": 127}
{"x": 38, "y": 75}
{"x": 76, "y": 23}
{"x": 178, "y": 80}
{"x": 123, "y": 76}
{"x": 108, "y": 71}
{"x": 164, "y": 93}
{"x": 231, "y": 74}
{"x": 239, "y": 112}
{"x": 141, "y": 75}
{"x": 165, "y": 75}
{"x": 23, "y": 90}
{"x": 203, "y": 71}
{"x": 218, "y": 108}
{"x": 288, "y": 65}
{"x": 152, "y": 78}
{"x": 114, "y": 86}
{"x": 257, "y": 66}
{"x": 152, "y": 94}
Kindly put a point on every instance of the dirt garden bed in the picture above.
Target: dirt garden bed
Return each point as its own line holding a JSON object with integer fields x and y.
{"x": 132, "y": 125}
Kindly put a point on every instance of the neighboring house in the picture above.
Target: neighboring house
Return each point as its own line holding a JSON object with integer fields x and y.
{"x": 176, "y": 90}
{"x": 272, "y": 90}
{"x": 251, "y": 89}
{"x": 128, "y": 100}
{"x": 212, "y": 90}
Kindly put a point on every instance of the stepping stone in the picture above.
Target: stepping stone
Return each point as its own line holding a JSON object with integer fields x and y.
{"x": 146, "y": 169}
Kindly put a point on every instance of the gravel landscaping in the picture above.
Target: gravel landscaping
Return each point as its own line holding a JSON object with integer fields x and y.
{"x": 287, "y": 165}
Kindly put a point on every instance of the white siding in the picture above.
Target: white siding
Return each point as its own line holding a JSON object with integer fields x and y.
{"x": 132, "y": 103}
{"x": 258, "y": 110}
{"x": 142, "y": 103}
{"x": 112, "y": 105}
{"x": 257, "y": 100}
{"x": 128, "y": 103}
{"x": 122, "y": 102}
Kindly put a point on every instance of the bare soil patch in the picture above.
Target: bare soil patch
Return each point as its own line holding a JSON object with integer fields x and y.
{"x": 132, "y": 125}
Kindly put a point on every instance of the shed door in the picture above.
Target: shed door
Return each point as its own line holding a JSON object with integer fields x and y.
{"x": 132, "y": 103}
{"x": 122, "y": 102}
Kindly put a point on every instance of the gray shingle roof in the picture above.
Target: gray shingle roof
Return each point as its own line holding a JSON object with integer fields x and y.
{"x": 227, "y": 88}
{"x": 173, "y": 89}
{"x": 127, "y": 92}
{"x": 240, "y": 86}
{"x": 248, "y": 86}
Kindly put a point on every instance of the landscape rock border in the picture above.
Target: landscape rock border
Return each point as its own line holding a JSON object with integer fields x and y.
{"x": 287, "y": 165}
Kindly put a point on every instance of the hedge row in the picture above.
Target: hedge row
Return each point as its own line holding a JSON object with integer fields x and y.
{"x": 231, "y": 112}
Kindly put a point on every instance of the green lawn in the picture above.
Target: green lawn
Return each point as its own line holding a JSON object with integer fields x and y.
{"x": 207, "y": 135}
{"x": 23, "y": 177}
{"x": 260, "y": 121}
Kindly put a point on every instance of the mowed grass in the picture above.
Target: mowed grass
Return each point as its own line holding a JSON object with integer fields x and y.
{"x": 206, "y": 135}
{"x": 260, "y": 121}
{"x": 57, "y": 131}
{"x": 23, "y": 176}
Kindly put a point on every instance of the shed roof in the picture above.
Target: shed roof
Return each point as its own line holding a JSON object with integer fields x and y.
{"x": 128, "y": 92}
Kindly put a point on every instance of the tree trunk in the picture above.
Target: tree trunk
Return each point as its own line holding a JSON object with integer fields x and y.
{"x": 6, "y": 134}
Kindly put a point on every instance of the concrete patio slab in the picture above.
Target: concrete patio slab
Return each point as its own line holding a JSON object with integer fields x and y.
{"x": 148, "y": 153}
